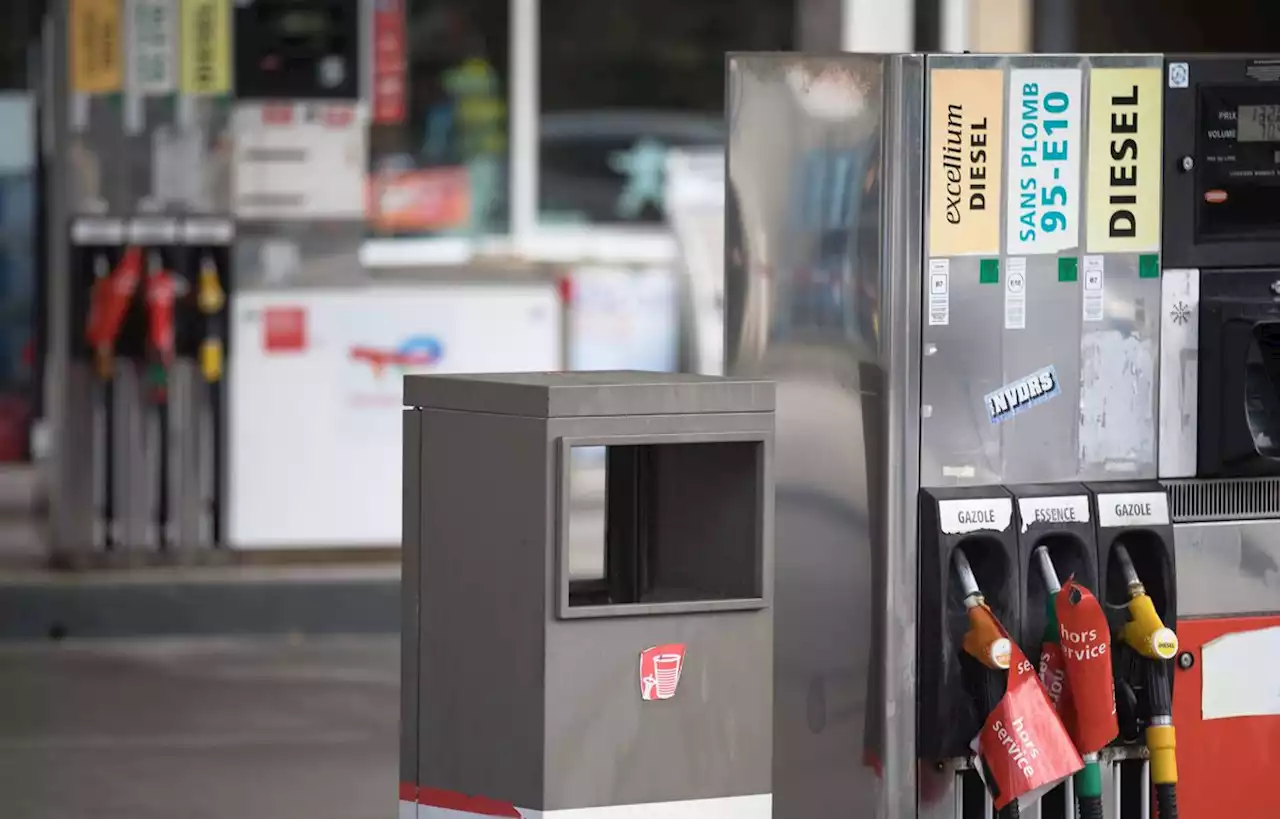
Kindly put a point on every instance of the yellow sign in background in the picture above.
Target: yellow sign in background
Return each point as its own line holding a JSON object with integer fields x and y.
{"x": 96, "y": 52}
{"x": 1122, "y": 203}
{"x": 966, "y": 160}
{"x": 205, "y": 47}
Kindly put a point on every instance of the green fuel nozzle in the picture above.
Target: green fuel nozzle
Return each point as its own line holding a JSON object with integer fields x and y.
{"x": 1087, "y": 783}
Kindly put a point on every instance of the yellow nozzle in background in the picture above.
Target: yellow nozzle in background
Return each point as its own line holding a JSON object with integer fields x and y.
{"x": 211, "y": 359}
{"x": 211, "y": 297}
{"x": 984, "y": 640}
{"x": 1162, "y": 745}
{"x": 1146, "y": 633}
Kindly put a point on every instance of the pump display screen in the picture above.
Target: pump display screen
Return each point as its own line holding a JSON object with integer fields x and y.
{"x": 1237, "y": 163}
{"x": 1258, "y": 123}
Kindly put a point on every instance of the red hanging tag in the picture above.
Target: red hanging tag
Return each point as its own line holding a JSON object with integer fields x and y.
{"x": 110, "y": 298}
{"x": 1023, "y": 744}
{"x": 1053, "y": 676}
{"x": 161, "y": 297}
{"x": 1086, "y": 653}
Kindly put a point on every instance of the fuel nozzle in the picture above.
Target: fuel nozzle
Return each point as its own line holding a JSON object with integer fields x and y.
{"x": 1156, "y": 644}
{"x": 984, "y": 640}
{"x": 1088, "y": 781}
{"x": 1144, "y": 632}
{"x": 103, "y": 354}
{"x": 210, "y": 299}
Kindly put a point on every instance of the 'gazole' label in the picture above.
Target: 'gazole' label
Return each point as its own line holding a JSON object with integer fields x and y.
{"x": 961, "y": 517}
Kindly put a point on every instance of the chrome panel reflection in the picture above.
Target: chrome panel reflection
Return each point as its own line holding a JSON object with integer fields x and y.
{"x": 1228, "y": 568}
{"x": 962, "y": 358}
{"x": 822, "y": 296}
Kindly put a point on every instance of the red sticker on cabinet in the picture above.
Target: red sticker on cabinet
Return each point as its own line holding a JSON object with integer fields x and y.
{"x": 284, "y": 329}
{"x": 660, "y": 669}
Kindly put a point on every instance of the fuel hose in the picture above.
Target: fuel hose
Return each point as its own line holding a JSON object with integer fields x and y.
{"x": 1088, "y": 781}
{"x": 984, "y": 661}
{"x": 1156, "y": 645}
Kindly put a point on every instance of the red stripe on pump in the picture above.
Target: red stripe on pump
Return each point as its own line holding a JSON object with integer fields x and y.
{"x": 408, "y": 792}
{"x": 481, "y": 805}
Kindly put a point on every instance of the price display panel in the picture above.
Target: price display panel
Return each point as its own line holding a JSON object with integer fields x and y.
{"x": 298, "y": 49}
{"x": 1238, "y": 163}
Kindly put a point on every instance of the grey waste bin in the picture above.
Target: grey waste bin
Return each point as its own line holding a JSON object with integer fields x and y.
{"x": 548, "y": 671}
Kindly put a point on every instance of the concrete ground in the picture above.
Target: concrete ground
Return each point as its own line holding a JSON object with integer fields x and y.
{"x": 213, "y": 728}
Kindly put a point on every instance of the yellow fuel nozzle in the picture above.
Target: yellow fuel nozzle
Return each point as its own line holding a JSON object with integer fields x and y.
{"x": 211, "y": 296}
{"x": 211, "y": 359}
{"x": 1145, "y": 632}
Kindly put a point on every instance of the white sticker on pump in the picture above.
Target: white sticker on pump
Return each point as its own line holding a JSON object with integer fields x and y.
{"x": 963, "y": 517}
{"x": 1240, "y": 675}
{"x": 1063, "y": 509}
{"x": 1133, "y": 509}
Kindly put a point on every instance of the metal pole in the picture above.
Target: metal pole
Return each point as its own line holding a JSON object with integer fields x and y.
{"x": 876, "y": 26}
{"x": 956, "y": 15}
{"x": 523, "y": 105}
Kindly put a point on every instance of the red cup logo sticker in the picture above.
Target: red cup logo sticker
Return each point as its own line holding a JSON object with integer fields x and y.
{"x": 660, "y": 669}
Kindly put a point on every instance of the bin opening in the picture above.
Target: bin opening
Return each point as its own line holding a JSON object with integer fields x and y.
{"x": 666, "y": 523}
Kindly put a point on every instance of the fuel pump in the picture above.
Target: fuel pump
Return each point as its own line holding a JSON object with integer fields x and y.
{"x": 161, "y": 296}
{"x": 1152, "y": 648}
{"x": 110, "y": 297}
{"x": 984, "y": 660}
{"x": 1075, "y": 667}
{"x": 207, "y": 260}
{"x": 1219, "y": 428}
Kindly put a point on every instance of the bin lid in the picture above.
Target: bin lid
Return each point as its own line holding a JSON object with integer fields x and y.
{"x": 589, "y": 394}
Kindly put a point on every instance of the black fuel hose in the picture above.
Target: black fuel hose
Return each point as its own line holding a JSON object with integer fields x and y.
{"x": 1160, "y": 701}
{"x": 1089, "y": 807}
{"x": 1167, "y": 801}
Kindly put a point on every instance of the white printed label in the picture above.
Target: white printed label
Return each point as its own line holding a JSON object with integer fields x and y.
{"x": 153, "y": 39}
{"x": 939, "y": 292}
{"x": 1093, "y": 289}
{"x": 210, "y": 231}
{"x": 1179, "y": 75}
{"x": 97, "y": 232}
{"x": 1064, "y": 509}
{"x": 1015, "y": 294}
{"x": 149, "y": 231}
{"x": 962, "y": 517}
{"x": 1044, "y": 160}
{"x": 1133, "y": 509}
